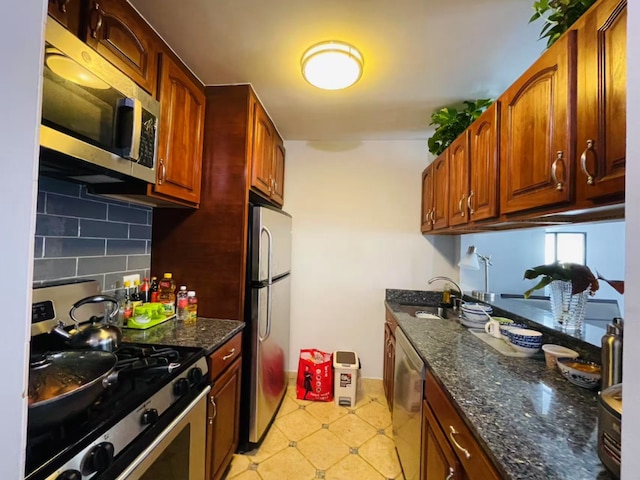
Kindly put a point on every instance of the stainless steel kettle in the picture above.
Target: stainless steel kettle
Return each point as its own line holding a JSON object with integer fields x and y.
{"x": 96, "y": 335}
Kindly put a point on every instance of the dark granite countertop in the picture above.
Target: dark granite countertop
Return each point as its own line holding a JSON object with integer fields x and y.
{"x": 532, "y": 422}
{"x": 207, "y": 333}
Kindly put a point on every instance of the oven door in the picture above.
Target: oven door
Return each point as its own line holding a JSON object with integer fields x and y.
{"x": 178, "y": 453}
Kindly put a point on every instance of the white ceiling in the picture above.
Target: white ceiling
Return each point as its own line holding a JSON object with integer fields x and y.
{"x": 419, "y": 55}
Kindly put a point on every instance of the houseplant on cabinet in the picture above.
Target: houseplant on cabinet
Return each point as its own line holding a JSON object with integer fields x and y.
{"x": 558, "y": 15}
{"x": 452, "y": 122}
{"x": 570, "y": 285}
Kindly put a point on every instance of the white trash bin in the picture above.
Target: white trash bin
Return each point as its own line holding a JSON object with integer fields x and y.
{"x": 346, "y": 365}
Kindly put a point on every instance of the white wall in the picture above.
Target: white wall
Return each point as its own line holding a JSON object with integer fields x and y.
{"x": 631, "y": 391}
{"x": 21, "y": 48}
{"x": 515, "y": 251}
{"x": 356, "y": 213}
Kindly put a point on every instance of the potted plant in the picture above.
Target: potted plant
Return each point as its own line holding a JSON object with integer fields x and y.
{"x": 451, "y": 122}
{"x": 570, "y": 285}
{"x": 558, "y": 15}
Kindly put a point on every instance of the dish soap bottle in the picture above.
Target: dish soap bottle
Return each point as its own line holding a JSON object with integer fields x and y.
{"x": 446, "y": 294}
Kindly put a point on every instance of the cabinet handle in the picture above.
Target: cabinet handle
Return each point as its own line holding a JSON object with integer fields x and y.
{"x": 433, "y": 216}
{"x": 460, "y": 205}
{"x": 163, "y": 172}
{"x": 230, "y": 354}
{"x": 554, "y": 171}
{"x": 62, "y": 5}
{"x": 452, "y": 472}
{"x": 215, "y": 410}
{"x": 583, "y": 161}
{"x": 96, "y": 20}
{"x": 389, "y": 348}
{"x": 452, "y": 434}
{"x": 471, "y": 210}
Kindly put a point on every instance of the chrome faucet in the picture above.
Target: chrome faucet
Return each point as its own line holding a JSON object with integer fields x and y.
{"x": 447, "y": 279}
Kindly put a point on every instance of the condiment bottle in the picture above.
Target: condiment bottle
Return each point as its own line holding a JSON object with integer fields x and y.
{"x": 154, "y": 290}
{"x": 182, "y": 304}
{"x": 145, "y": 293}
{"x": 193, "y": 305}
{"x": 167, "y": 296}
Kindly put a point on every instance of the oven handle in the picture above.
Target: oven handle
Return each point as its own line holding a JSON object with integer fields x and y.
{"x": 159, "y": 439}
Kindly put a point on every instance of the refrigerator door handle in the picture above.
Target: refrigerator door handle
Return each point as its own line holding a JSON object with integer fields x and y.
{"x": 269, "y": 280}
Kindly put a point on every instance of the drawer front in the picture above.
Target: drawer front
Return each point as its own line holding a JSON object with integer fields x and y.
{"x": 391, "y": 321}
{"x": 465, "y": 446}
{"x": 224, "y": 356}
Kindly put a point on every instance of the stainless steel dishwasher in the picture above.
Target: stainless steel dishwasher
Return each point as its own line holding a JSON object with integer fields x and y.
{"x": 409, "y": 375}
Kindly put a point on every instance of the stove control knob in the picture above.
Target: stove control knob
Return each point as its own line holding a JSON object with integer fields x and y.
{"x": 194, "y": 375}
{"x": 181, "y": 387}
{"x": 70, "y": 475}
{"x": 149, "y": 416}
{"x": 98, "y": 459}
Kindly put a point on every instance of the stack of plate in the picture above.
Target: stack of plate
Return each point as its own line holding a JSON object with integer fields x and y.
{"x": 473, "y": 314}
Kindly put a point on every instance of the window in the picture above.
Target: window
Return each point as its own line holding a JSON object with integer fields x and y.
{"x": 565, "y": 247}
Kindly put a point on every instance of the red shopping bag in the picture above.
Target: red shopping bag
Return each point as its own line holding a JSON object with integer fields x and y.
{"x": 315, "y": 376}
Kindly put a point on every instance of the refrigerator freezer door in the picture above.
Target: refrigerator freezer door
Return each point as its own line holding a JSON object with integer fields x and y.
{"x": 270, "y": 352}
{"x": 271, "y": 241}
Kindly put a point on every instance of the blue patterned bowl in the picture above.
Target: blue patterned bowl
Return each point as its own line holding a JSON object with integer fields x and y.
{"x": 580, "y": 372}
{"x": 523, "y": 337}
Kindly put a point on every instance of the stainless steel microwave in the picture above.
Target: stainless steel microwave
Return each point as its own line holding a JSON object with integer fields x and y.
{"x": 98, "y": 126}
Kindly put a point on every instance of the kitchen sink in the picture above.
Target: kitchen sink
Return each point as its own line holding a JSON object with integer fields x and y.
{"x": 423, "y": 311}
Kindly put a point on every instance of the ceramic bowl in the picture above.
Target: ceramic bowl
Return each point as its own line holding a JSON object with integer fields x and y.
{"x": 553, "y": 352}
{"x": 476, "y": 307}
{"x": 527, "y": 350}
{"x": 505, "y": 330}
{"x": 525, "y": 337}
{"x": 472, "y": 324}
{"x": 476, "y": 316}
{"x": 580, "y": 372}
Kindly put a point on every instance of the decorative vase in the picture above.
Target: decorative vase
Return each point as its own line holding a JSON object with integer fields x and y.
{"x": 568, "y": 310}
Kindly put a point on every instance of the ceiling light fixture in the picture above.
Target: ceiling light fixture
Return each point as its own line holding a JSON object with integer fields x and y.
{"x": 332, "y": 65}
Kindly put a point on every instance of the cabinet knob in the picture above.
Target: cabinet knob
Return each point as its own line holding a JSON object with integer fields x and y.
{"x": 583, "y": 162}
{"x": 554, "y": 171}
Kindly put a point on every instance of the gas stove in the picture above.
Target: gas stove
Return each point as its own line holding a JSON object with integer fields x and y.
{"x": 151, "y": 386}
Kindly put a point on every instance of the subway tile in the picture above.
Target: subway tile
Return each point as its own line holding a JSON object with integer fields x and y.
{"x": 75, "y": 207}
{"x": 140, "y": 231}
{"x": 127, "y": 214}
{"x": 103, "y": 229}
{"x": 100, "y": 198}
{"x": 149, "y": 216}
{"x": 126, "y": 247}
{"x": 54, "y": 226}
{"x": 148, "y": 249}
{"x": 93, "y": 265}
{"x": 38, "y": 247}
{"x": 97, "y": 278}
{"x": 113, "y": 281}
{"x": 42, "y": 198}
{"x": 54, "y": 185}
{"x": 73, "y": 247}
{"x": 53, "y": 269}
{"x": 138, "y": 262}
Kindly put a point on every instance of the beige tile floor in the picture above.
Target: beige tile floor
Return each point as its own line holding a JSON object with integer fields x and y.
{"x": 310, "y": 440}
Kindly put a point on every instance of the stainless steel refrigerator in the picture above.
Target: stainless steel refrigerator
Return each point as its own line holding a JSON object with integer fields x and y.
{"x": 266, "y": 335}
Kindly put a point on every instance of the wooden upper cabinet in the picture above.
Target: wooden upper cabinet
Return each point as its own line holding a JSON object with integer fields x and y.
{"x": 262, "y": 152}
{"x": 277, "y": 193}
{"x": 426, "y": 214}
{"x": 267, "y": 158}
{"x": 118, "y": 33}
{"x": 67, "y": 12}
{"x": 440, "y": 216}
{"x": 182, "y": 107}
{"x": 602, "y": 78}
{"x": 459, "y": 180}
{"x": 482, "y": 199}
{"x": 536, "y": 141}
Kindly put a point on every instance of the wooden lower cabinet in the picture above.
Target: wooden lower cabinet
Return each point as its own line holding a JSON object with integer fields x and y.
{"x": 223, "y": 412}
{"x": 443, "y": 433}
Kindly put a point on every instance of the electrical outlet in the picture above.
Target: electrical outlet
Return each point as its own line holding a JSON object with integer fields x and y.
{"x": 131, "y": 279}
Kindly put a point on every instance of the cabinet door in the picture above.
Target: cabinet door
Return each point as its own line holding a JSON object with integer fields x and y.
{"x": 67, "y": 12}
{"x": 426, "y": 222}
{"x": 277, "y": 194}
{"x": 223, "y": 421}
{"x": 438, "y": 460}
{"x": 459, "y": 179}
{"x": 388, "y": 364}
{"x": 118, "y": 33}
{"x": 262, "y": 151}
{"x": 182, "y": 106}
{"x": 483, "y": 165}
{"x": 440, "y": 217}
{"x": 602, "y": 79}
{"x": 536, "y": 145}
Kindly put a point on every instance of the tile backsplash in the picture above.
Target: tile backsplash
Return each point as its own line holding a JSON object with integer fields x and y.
{"x": 79, "y": 235}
